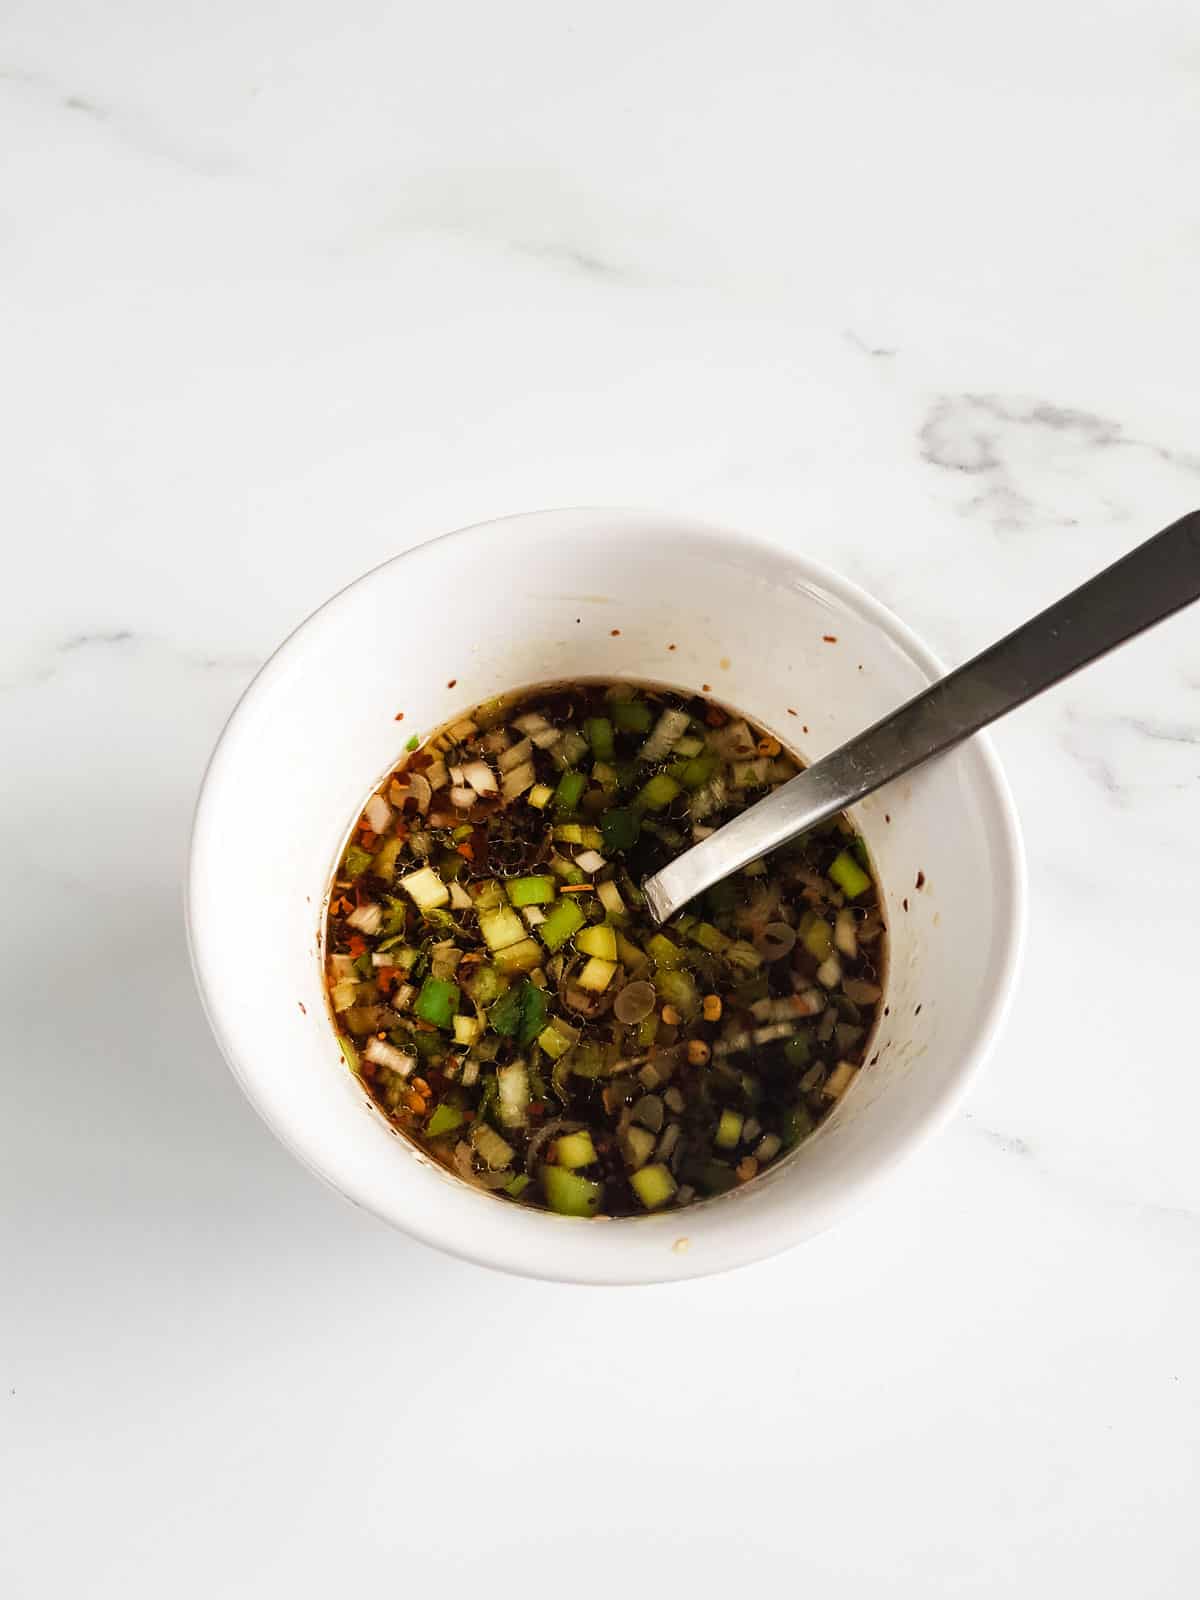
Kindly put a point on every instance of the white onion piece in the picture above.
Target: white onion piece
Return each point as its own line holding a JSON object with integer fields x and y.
{"x": 773, "y": 1030}
{"x": 518, "y": 780}
{"x": 844, "y": 935}
{"x": 367, "y": 919}
{"x": 436, "y": 775}
{"x": 515, "y": 755}
{"x": 379, "y": 813}
{"x": 829, "y": 972}
{"x": 776, "y": 940}
{"x": 460, "y": 900}
{"x": 384, "y": 1054}
{"x": 419, "y": 788}
{"x": 634, "y": 1003}
{"x": 862, "y": 992}
{"x": 463, "y": 798}
{"x": 457, "y": 776}
{"x": 480, "y": 777}
{"x": 590, "y": 861}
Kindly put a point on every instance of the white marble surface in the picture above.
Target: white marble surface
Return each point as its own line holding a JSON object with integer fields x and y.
{"x": 286, "y": 289}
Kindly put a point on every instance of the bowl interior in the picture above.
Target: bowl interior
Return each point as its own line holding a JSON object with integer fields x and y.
{"x": 598, "y": 594}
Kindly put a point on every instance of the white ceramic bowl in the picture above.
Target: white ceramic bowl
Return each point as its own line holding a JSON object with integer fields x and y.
{"x": 591, "y": 593}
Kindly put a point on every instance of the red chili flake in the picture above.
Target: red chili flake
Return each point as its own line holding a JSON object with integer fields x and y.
{"x": 465, "y": 850}
{"x": 920, "y": 880}
{"x": 706, "y": 688}
{"x": 615, "y": 634}
{"x": 302, "y": 1006}
{"x": 367, "y": 1068}
{"x": 451, "y": 682}
{"x": 672, "y": 647}
{"x": 792, "y": 713}
{"x": 804, "y": 727}
{"x": 829, "y": 638}
{"x": 357, "y": 946}
{"x": 420, "y": 760}
{"x": 468, "y": 1116}
{"x": 536, "y": 1108}
{"x": 904, "y": 903}
{"x": 714, "y": 718}
{"x": 399, "y": 717}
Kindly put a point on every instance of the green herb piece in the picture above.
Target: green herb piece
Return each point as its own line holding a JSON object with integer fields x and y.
{"x": 444, "y": 1120}
{"x": 437, "y": 1002}
{"x": 356, "y": 861}
{"x": 562, "y": 920}
{"x": 620, "y": 828}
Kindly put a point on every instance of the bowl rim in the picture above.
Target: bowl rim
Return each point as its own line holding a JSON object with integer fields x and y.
{"x": 1009, "y": 926}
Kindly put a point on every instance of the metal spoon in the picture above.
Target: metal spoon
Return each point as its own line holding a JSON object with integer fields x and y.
{"x": 1157, "y": 579}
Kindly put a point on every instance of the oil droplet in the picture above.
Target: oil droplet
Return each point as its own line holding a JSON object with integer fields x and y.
{"x": 681, "y": 1246}
{"x": 724, "y": 663}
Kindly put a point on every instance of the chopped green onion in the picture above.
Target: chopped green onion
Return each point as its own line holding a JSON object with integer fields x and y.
{"x": 569, "y": 1194}
{"x": 610, "y": 898}
{"x": 596, "y": 975}
{"x": 729, "y": 1130}
{"x": 575, "y": 1149}
{"x": 659, "y": 792}
{"x": 536, "y": 891}
{"x": 632, "y": 716}
{"x": 557, "y": 1038}
{"x": 517, "y": 1186}
{"x": 467, "y": 1029}
{"x": 597, "y": 941}
{"x": 663, "y": 953}
{"x": 817, "y": 939}
{"x": 637, "y": 1146}
{"x": 501, "y": 928}
{"x": 653, "y": 1186}
{"x": 523, "y": 957}
{"x": 426, "y": 888}
{"x": 849, "y": 876}
{"x": 562, "y": 920}
{"x": 695, "y": 773}
{"x": 570, "y": 791}
{"x": 540, "y": 795}
{"x": 798, "y": 1049}
{"x": 599, "y": 732}
{"x": 709, "y": 937}
{"x": 412, "y": 743}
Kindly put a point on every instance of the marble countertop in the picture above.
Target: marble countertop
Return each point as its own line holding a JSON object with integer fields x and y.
{"x": 285, "y": 291}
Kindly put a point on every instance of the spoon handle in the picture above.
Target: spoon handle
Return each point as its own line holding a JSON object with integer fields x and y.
{"x": 1157, "y": 579}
